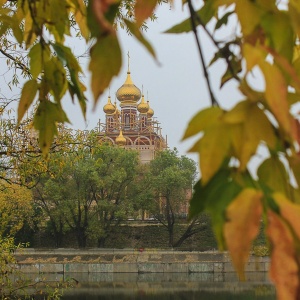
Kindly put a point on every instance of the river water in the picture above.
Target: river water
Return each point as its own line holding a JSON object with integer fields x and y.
{"x": 167, "y": 286}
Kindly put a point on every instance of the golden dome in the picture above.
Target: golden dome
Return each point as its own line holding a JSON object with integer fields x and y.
{"x": 128, "y": 91}
{"x": 109, "y": 108}
{"x": 143, "y": 107}
{"x": 150, "y": 111}
{"x": 120, "y": 140}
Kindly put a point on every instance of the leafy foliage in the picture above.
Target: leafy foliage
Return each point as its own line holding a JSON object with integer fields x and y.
{"x": 166, "y": 184}
{"x": 85, "y": 190}
{"x": 16, "y": 208}
{"x": 236, "y": 193}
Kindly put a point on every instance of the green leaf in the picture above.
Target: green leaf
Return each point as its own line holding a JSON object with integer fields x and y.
{"x": 272, "y": 173}
{"x": 35, "y": 55}
{"x": 55, "y": 76}
{"x": 204, "y": 194}
{"x": 27, "y": 96}
{"x": 279, "y": 32}
{"x": 66, "y": 57}
{"x": 135, "y": 30}
{"x": 202, "y": 120}
{"x": 106, "y": 62}
{"x": 232, "y": 70}
{"x": 214, "y": 197}
{"x": 60, "y": 19}
{"x": 223, "y": 20}
{"x": 45, "y": 120}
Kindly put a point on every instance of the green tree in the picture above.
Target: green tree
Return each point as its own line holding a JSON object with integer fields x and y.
{"x": 170, "y": 178}
{"x": 85, "y": 191}
{"x": 117, "y": 173}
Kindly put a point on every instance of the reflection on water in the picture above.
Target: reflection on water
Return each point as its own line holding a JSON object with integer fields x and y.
{"x": 167, "y": 286}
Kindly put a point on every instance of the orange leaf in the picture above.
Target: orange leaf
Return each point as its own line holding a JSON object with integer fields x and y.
{"x": 143, "y": 10}
{"x": 284, "y": 269}
{"x": 244, "y": 215}
{"x": 289, "y": 211}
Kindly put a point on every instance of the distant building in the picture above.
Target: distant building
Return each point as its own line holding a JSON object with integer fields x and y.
{"x": 134, "y": 125}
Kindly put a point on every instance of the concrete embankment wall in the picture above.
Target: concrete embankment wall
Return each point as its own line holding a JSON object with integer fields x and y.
{"x": 64, "y": 261}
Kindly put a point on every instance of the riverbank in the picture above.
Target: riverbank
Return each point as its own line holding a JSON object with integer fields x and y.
{"x": 64, "y": 261}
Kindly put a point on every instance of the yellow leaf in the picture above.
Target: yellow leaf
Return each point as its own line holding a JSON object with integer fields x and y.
{"x": 143, "y": 10}
{"x": 202, "y": 120}
{"x": 253, "y": 55}
{"x": 238, "y": 114}
{"x": 276, "y": 96}
{"x": 249, "y": 15}
{"x": 256, "y": 128}
{"x": 27, "y": 96}
{"x": 251, "y": 94}
{"x": 80, "y": 17}
{"x": 243, "y": 215}
{"x": 214, "y": 148}
{"x": 284, "y": 268}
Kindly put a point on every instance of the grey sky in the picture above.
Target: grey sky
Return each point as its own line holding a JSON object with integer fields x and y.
{"x": 176, "y": 87}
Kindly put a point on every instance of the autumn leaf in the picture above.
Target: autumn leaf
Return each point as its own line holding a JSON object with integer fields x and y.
{"x": 249, "y": 14}
{"x": 45, "y": 121}
{"x": 27, "y": 96}
{"x": 143, "y": 10}
{"x": 289, "y": 212}
{"x": 243, "y": 217}
{"x": 284, "y": 268}
{"x": 276, "y": 96}
{"x": 106, "y": 61}
{"x": 202, "y": 120}
{"x": 135, "y": 30}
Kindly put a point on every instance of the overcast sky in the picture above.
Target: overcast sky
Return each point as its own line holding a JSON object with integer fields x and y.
{"x": 176, "y": 87}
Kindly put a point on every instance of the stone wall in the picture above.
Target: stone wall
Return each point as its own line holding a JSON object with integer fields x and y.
{"x": 64, "y": 261}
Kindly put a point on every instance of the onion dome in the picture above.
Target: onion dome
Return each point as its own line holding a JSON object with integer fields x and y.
{"x": 143, "y": 107}
{"x": 109, "y": 108}
{"x": 120, "y": 140}
{"x": 150, "y": 112}
{"x": 128, "y": 92}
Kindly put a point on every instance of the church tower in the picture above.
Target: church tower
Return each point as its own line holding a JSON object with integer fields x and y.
{"x": 134, "y": 125}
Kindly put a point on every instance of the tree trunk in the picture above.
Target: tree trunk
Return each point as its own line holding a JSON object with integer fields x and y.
{"x": 81, "y": 237}
{"x": 101, "y": 242}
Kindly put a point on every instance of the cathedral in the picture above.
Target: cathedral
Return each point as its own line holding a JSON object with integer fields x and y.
{"x": 132, "y": 125}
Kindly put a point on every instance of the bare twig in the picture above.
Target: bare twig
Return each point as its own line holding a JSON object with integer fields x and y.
{"x": 194, "y": 27}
